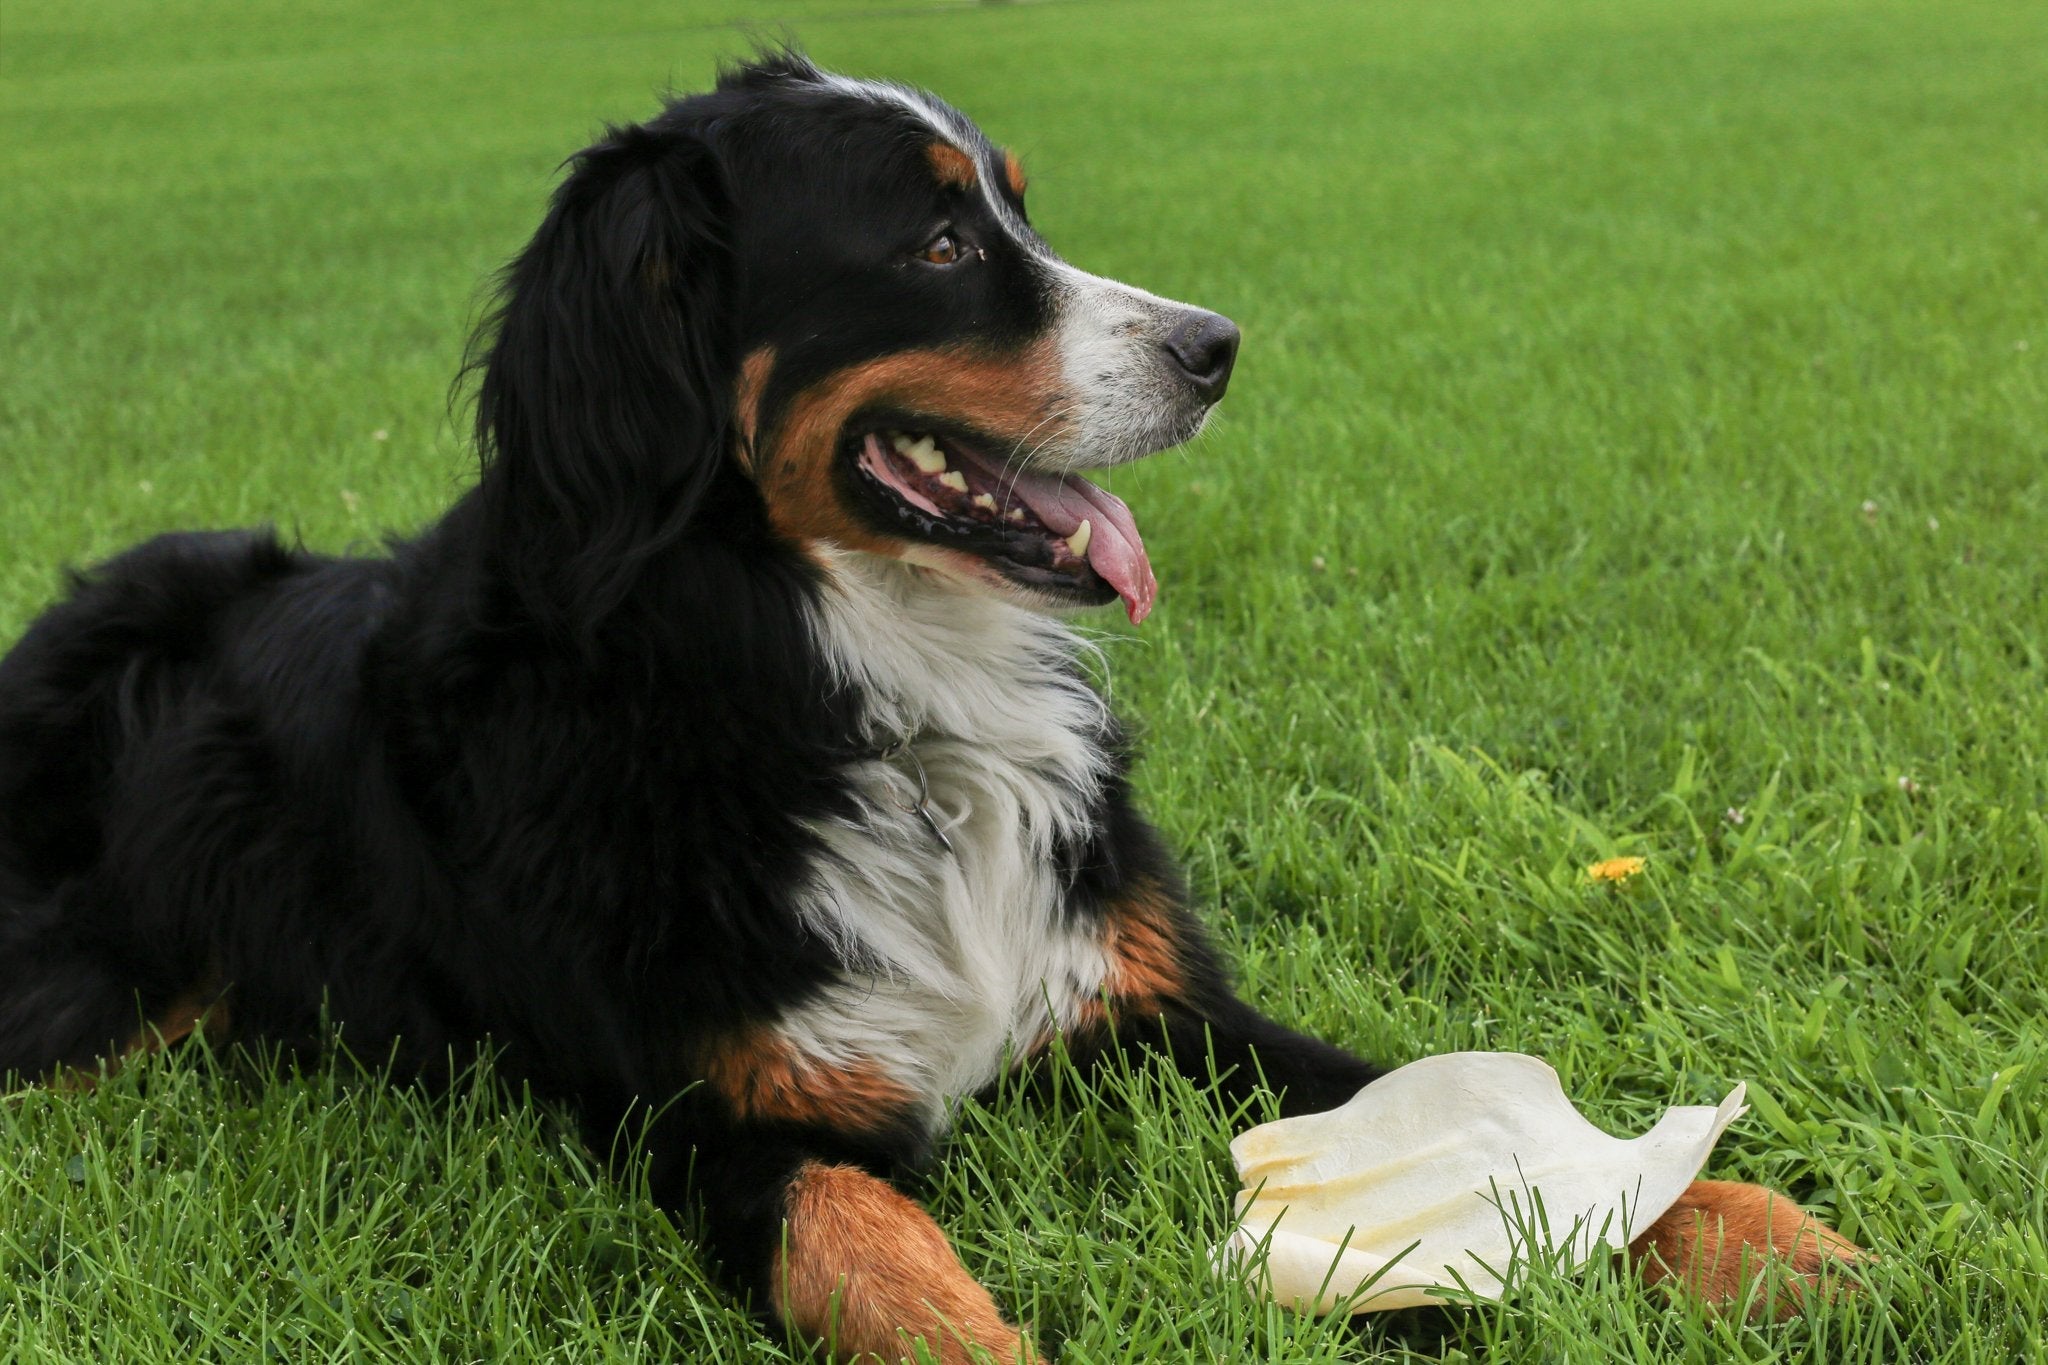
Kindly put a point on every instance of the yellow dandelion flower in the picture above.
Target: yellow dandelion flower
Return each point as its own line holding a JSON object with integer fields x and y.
{"x": 1614, "y": 869}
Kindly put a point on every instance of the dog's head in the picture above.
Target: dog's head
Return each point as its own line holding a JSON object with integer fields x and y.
{"x": 817, "y": 307}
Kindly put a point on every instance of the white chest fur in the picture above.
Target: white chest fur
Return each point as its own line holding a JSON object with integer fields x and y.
{"x": 958, "y": 954}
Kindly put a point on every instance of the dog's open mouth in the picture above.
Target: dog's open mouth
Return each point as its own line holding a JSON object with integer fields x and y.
{"x": 1057, "y": 534}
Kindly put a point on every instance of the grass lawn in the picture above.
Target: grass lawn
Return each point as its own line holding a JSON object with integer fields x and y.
{"x": 1640, "y": 446}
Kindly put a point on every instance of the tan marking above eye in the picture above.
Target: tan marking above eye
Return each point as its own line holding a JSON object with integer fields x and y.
{"x": 953, "y": 167}
{"x": 1013, "y": 171}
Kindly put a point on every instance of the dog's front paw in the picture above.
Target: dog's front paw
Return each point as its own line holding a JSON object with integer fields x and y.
{"x": 1743, "y": 1247}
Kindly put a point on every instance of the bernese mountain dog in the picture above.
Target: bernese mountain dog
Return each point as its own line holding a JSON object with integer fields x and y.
{"x": 721, "y": 755}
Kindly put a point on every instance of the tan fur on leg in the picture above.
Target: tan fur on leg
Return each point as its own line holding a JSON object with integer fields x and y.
{"x": 202, "y": 1012}
{"x": 868, "y": 1272}
{"x": 1719, "y": 1238}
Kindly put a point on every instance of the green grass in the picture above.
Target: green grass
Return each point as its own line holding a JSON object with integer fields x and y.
{"x": 1640, "y": 446}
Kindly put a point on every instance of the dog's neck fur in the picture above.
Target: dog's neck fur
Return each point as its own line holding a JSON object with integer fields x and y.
{"x": 952, "y": 955}
{"x": 934, "y": 660}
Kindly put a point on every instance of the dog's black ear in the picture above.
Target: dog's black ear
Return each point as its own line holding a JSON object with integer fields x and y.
{"x": 605, "y": 408}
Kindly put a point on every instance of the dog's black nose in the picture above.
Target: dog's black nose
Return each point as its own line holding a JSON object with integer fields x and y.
{"x": 1204, "y": 345}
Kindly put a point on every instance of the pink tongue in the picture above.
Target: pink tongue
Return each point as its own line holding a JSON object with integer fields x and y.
{"x": 1114, "y": 550}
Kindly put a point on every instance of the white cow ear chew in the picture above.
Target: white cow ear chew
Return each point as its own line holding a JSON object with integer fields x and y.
{"x": 1436, "y": 1180}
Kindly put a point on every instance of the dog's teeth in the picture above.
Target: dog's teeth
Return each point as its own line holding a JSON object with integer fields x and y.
{"x": 901, "y": 442}
{"x": 1078, "y": 542}
{"x": 952, "y": 478}
{"x": 1015, "y": 514}
{"x": 924, "y": 452}
{"x": 984, "y": 502}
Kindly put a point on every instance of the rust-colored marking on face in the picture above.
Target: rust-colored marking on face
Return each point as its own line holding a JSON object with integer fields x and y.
{"x": 753, "y": 382}
{"x": 868, "y": 1272}
{"x": 953, "y": 167}
{"x": 1013, "y": 171}
{"x": 763, "y": 1076}
{"x": 1722, "y": 1236}
{"x": 1010, "y": 397}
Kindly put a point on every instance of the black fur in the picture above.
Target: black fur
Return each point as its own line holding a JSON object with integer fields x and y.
{"x": 545, "y": 774}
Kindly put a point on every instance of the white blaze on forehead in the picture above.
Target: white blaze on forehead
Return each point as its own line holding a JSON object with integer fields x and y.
{"x": 943, "y": 122}
{"x": 955, "y": 130}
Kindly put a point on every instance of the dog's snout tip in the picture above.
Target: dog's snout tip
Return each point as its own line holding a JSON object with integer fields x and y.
{"x": 1204, "y": 346}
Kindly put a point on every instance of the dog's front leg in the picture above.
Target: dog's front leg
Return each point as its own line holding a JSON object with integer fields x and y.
{"x": 1736, "y": 1246}
{"x": 1167, "y": 993}
{"x": 864, "y": 1269}
{"x": 827, "y": 1250}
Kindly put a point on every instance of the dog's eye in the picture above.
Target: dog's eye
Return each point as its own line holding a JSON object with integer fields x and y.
{"x": 943, "y": 249}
